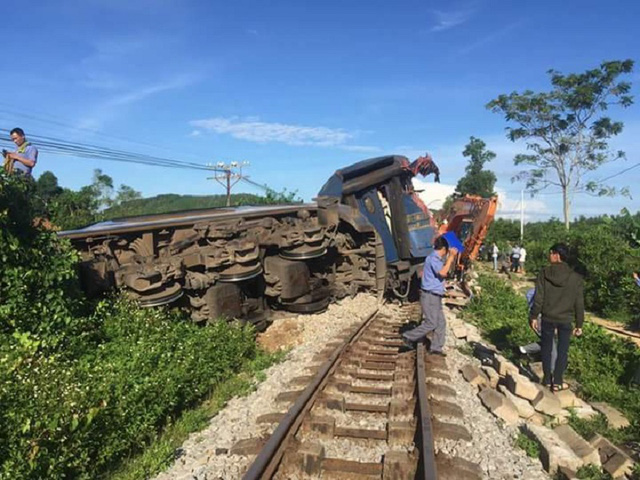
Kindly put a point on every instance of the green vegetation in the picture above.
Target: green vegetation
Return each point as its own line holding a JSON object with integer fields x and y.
{"x": 531, "y": 447}
{"x": 603, "y": 365}
{"x": 84, "y": 386}
{"x": 565, "y": 129}
{"x": 476, "y": 180}
{"x": 68, "y": 209}
{"x": 159, "y": 454}
{"x": 606, "y": 250}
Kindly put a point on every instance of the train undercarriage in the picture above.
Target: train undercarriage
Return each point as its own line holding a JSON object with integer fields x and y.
{"x": 369, "y": 230}
{"x": 236, "y": 263}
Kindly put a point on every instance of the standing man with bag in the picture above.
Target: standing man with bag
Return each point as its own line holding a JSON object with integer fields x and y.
{"x": 24, "y": 158}
{"x": 559, "y": 299}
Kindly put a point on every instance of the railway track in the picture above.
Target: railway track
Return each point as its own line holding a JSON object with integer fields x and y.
{"x": 370, "y": 411}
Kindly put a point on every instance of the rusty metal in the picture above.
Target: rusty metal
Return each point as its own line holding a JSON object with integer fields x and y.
{"x": 427, "y": 464}
{"x": 266, "y": 463}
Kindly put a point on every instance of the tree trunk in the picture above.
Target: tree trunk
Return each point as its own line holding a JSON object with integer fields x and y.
{"x": 565, "y": 206}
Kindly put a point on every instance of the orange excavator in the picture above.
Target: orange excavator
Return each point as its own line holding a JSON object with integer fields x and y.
{"x": 469, "y": 217}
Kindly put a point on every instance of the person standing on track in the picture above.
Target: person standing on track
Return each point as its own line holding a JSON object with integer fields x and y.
{"x": 25, "y": 156}
{"x": 559, "y": 299}
{"x": 432, "y": 289}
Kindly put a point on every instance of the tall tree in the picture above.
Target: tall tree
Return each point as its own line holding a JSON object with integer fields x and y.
{"x": 566, "y": 129}
{"x": 47, "y": 186}
{"x": 477, "y": 181}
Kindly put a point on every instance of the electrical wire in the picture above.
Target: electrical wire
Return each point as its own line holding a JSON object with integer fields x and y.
{"x": 61, "y": 147}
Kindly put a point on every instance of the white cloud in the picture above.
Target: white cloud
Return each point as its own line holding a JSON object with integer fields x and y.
{"x": 488, "y": 39}
{"x": 138, "y": 94}
{"x": 195, "y": 133}
{"x": 109, "y": 108}
{"x": 254, "y": 130}
{"x": 451, "y": 19}
{"x": 509, "y": 207}
{"x": 432, "y": 194}
{"x": 360, "y": 148}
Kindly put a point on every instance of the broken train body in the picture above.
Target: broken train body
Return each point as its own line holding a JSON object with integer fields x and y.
{"x": 367, "y": 231}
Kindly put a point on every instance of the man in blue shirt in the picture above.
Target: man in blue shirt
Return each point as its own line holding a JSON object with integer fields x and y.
{"x": 432, "y": 289}
{"x": 25, "y": 157}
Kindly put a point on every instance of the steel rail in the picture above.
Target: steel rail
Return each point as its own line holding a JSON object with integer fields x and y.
{"x": 266, "y": 463}
{"x": 427, "y": 469}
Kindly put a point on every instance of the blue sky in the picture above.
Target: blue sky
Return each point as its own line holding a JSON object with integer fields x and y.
{"x": 301, "y": 88}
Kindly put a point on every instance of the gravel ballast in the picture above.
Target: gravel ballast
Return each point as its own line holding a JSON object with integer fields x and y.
{"x": 203, "y": 456}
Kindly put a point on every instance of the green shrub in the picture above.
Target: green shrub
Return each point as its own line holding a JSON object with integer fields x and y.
{"x": 606, "y": 250}
{"x": 83, "y": 386}
{"x": 530, "y": 446}
{"x": 602, "y": 363}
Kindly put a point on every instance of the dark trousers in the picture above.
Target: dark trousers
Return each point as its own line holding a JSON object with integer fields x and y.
{"x": 549, "y": 329}
{"x": 515, "y": 264}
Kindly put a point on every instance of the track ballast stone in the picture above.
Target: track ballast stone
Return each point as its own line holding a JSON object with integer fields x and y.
{"x": 202, "y": 455}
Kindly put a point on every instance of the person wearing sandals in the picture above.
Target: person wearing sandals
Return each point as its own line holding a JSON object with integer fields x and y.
{"x": 535, "y": 348}
{"x": 559, "y": 299}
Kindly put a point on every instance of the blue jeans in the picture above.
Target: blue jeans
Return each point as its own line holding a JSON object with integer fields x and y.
{"x": 554, "y": 374}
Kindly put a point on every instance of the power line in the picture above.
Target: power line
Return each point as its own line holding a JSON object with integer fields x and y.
{"x": 61, "y": 147}
{"x": 619, "y": 173}
{"x": 52, "y": 120}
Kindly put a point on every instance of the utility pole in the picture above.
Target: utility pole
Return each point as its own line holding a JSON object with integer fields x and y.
{"x": 225, "y": 173}
{"x": 521, "y": 216}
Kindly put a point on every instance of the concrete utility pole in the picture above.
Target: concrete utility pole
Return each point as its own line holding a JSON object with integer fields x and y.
{"x": 226, "y": 172}
{"x": 521, "y": 216}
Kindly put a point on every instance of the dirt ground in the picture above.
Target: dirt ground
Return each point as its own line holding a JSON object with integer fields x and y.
{"x": 282, "y": 334}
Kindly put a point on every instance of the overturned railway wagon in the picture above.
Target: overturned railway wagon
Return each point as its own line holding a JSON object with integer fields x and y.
{"x": 367, "y": 231}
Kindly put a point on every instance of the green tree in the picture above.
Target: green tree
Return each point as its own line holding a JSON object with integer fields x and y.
{"x": 102, "y": 187}
{"x": 477, "y": 181}
{"x": 126, "y": 194}
{"x": 47, "y": 186}
{"x": 566, "y": 129}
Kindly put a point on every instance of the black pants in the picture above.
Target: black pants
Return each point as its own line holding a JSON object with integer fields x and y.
{"x": 564, "y": 335}
{"x": 515, "y": 264}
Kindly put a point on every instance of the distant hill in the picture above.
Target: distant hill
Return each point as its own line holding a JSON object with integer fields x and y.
{"x": 173, "y": 203}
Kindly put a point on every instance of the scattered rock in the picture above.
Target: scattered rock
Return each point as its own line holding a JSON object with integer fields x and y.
{"x": 504, "y": 366}
{"x": 583, "y": 449}
{"x": 499, "y": 405}
{"x": 567, "y": 398}
{"x": 525, "y": 410}
{"x": 614, "y": 460}
{"x": 614, "y": 417}
{"x": 474, "y": 375}
{"x": 492, "y": 375}
{"x": 536, "y": 369}
{"x": 460, "y": 331}
{"x": 521, "y": 386}
{"x": 561, "y": 418}
{"x": 554, "y": 453}
{"x": 546, "y": 402}
{"x": 538, "y": 419}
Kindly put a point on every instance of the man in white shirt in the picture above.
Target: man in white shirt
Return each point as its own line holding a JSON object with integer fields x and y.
{"x": 523, "y": 257}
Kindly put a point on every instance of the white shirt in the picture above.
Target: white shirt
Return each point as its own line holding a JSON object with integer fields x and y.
{"x": 523, "y": 254}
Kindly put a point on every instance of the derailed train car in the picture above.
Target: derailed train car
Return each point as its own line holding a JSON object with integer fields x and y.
{"x": 367, "y": 231}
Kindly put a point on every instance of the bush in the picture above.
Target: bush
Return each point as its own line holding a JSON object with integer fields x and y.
{"x": 606, "y": 250}
{"x": 603, "y": 365}
{"x": 81, "y": 385}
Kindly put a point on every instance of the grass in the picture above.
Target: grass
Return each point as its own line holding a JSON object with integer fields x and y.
{"x": 531, "y": 447}
{"x": 603, "y": 365}
{"x": 161, "y": 453}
